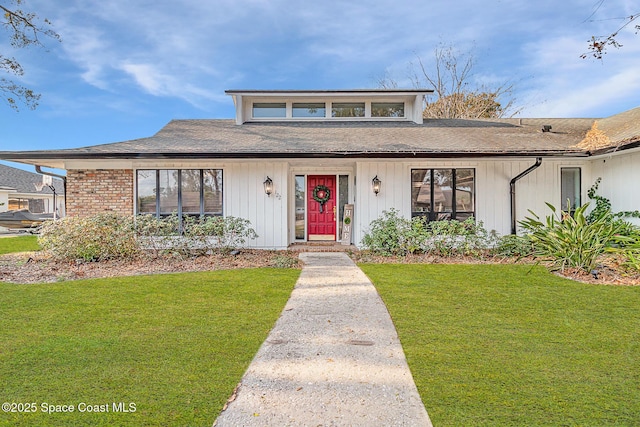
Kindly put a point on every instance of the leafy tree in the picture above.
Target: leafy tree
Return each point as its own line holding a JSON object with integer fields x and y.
{"x": 24, "y": 29}
{"x": 457, "y": 95}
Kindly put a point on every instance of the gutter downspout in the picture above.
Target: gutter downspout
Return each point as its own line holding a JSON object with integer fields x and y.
{"x": 512, "y": 185}
{"x": 64, "y": 183}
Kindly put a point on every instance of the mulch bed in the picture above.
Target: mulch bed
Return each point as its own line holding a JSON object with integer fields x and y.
{"x": 36, "y": 267}
{"x": 611, "y": 273}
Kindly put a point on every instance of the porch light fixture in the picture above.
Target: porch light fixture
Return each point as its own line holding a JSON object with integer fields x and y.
{"x": 375, "y": 182}
{"x": 268, "y": 186}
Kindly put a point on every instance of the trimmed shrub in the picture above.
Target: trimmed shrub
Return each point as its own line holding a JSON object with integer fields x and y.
{"x": 388, "y": 235}
{"x": 107, "y": 236}
{"x": 393, "y": 235}
{"x": 455, "y": 238}
{"x": 511, "y": 245}
{"x": 216, "y": 233}
{"x": 94, "y": 238}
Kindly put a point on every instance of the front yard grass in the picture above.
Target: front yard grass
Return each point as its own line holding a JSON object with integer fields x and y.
{"x": 18, "y": 244}
{"x": 173, "y": 345}
{"x": 508, "y": 345}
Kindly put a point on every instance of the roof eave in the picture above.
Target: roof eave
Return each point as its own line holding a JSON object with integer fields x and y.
{"x": 256, "y": 92}
{"x": 617, "y": 148}
{"x": 34, "y": 156}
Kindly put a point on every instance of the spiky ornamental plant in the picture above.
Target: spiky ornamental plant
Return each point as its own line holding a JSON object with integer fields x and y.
{"x": 572, "y": 241}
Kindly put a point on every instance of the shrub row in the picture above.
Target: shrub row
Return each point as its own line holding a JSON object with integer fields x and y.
{"x": 110, "y": 236}
{"x": 394, "y": 235}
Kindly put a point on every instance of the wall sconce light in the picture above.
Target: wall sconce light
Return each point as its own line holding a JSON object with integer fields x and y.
{"x": 268, "y": 186}
{"x": 375, "y": 182}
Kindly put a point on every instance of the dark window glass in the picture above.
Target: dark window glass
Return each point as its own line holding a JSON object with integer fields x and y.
{"x": 300, "y": 206}
{"x": 387, "y": 109}
{"x": 190, "y": 187}
{"x": 343, "y": 190}
{"x": 146, "y": 190}
{"x": 168, "y": 190}
{"x": 421, "y": 191}
{"x": 184, "y": 191}
{"x": 465, "y": 191}
{"x": 442, "y": 194}
{"x": 571, "y": 189}
{"x": 347, "y": 109}
{"x": 212, "y": 179}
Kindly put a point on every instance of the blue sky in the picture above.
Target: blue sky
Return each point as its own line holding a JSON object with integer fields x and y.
{"x": 125, "y": 68}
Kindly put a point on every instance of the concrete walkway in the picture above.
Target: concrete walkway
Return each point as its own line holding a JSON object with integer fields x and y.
{"x": 332, "y": 359}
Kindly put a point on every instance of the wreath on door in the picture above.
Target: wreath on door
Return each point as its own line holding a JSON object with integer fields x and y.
{"x": 321, "y": 194}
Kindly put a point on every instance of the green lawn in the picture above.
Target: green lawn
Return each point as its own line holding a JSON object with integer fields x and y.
{"x": 173, "y": 345}
{"x": 498, "y": 345}
{"x": 18, "y": 244}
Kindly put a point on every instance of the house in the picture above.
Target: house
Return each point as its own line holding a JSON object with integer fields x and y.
{"x": 291, "y": 161}
{"x": 20, "y": 189}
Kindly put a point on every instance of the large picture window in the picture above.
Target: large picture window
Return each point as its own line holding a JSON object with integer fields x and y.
{"x": 180, "y": 191}
{"x": 443, "y": 194}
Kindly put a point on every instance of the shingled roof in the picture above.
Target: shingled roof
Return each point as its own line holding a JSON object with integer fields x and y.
{"x": 25, "y": 182}
{"x": 434, "y": 138}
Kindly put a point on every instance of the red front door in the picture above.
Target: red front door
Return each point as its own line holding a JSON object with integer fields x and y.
{"x": 321, "y": 218}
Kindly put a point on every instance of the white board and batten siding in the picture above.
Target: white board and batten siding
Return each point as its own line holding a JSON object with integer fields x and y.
{"x": 620, "y": 183}
{"x": 395, "y": 192}
{"x": 492, "y": 198}
{"x": 245, "y": 198}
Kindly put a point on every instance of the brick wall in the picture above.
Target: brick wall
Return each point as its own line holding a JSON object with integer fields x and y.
{"x": 99, "y": 190}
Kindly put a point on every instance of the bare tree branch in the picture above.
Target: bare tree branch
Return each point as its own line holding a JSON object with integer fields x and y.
{"x": 598, "y": 45}
{"x": 24, "y": 30}
{"x": 457, "y": 97}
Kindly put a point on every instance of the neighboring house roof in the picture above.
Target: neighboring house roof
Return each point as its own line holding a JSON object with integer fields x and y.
{"x": 25, "y": 182}
{"x": 434, "y": 138}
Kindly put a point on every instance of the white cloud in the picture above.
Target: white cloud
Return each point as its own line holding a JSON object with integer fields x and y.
{"x": 567, "y": 86}
{"x": 192, "y": 50}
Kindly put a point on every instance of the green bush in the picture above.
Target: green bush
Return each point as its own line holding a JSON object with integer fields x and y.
{"x": 629, "y": 247}
{"x": 93, "y": 238}
{"x": 193, "y": 235}
{"x": 451, "y": 238}
{"x": 158, "y": 235}
{"x": 106, "y": 236}
{"x": 572, "y": 241}
{"x": 388, "y": 234}
{"x": 511, "y": 245}
{"x": 393, "y": 235}
{"x": 216, "y": 233}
